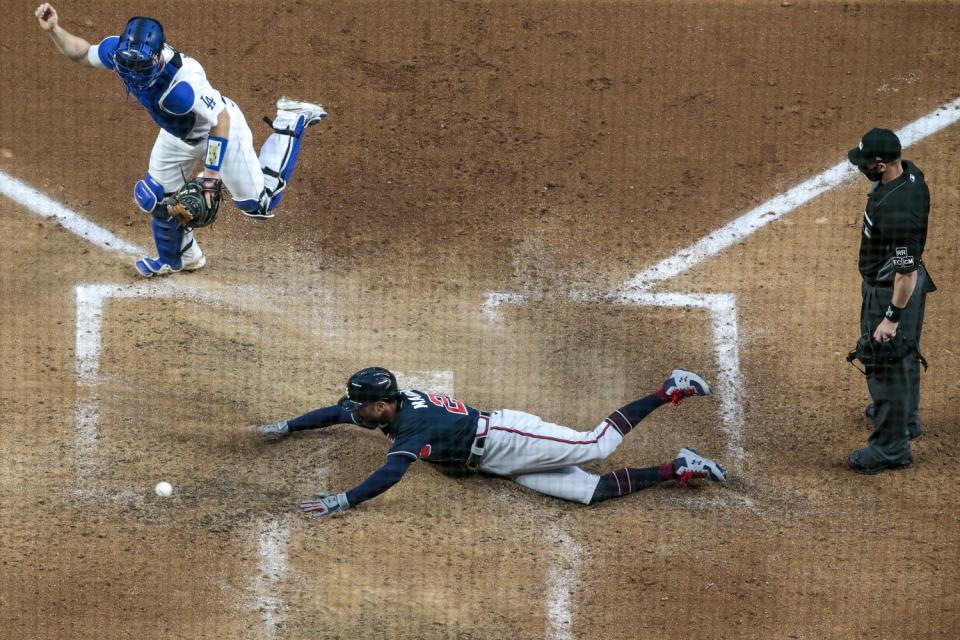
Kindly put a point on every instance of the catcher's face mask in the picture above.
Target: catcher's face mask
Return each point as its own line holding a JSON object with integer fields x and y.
{"x": 138, "y": 59}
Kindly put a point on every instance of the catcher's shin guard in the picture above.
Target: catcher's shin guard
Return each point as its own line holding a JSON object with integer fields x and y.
{"x": 168, "y": 236}
{"x": 176, "y": 250}
{"x": 278, "y": 156}
{"x": 278, "y": 159}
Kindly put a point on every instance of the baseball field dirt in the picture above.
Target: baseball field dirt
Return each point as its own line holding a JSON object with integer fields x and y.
{"x": 546, "y": 152}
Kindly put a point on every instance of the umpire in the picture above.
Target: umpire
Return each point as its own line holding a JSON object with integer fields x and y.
{"x": 895, "y": 286}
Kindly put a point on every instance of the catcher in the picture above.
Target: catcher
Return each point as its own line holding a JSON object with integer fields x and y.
{"x": 197, "y": 124}
{"x": 536, "y": 454}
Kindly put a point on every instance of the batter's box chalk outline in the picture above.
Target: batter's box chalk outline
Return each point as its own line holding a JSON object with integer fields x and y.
{"x": 723, "y": 306}
{"x": 273, "y": 534}
{"x": 90, "y": 302}
{"x": 722, "y": 309}
{"x": 272, "y": 540}
{"x": 439, "y": 381}
{"x": 563, "y": 578}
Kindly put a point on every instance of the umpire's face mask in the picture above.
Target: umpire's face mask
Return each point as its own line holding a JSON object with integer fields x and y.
{"x": 874, "y": 173}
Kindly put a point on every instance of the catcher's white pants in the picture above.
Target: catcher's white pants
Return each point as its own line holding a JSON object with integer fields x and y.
{"x": 173, "y": 160}
{"x": 544, "y": 456}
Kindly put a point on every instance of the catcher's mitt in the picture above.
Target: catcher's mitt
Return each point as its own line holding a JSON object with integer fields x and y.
{"x": 197, "y": 202}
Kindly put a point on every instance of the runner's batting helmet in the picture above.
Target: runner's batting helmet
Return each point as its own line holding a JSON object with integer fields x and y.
{"x": 369, "y": 385}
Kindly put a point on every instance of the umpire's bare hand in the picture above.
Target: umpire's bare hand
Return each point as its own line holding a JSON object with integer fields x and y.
{"x": 885, "y": 331}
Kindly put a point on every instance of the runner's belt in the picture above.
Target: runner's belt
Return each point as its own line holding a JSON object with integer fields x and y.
{"x": 479, "y": 442}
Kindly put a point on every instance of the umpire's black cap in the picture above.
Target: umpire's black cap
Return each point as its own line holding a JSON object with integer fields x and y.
{"x": 877, "y": 145}
{"x": 369, "y": 385}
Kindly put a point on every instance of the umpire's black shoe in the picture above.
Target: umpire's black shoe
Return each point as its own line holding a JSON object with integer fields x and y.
{"x": 860, "y": 462}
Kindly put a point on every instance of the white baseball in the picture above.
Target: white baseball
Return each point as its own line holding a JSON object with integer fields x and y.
{"x": 163, "y": 489}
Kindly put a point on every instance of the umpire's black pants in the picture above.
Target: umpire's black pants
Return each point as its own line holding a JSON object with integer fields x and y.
{"x": 894, "y": 387}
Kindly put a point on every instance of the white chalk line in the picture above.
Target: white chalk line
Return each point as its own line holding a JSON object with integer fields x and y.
{"x": 90, "y": 300}
{"x": 778, "y": 206}
{"x": 46, "y": 207}
{"x": 272, "y": 541}
{"x": 726, "y": 342}
{"x": 439, "y": 381}
{"x": 728, "y": 386}
{"x": 563, "y": 578}
{"x": 491, "y": 306}
{"x": 722, "y": 307}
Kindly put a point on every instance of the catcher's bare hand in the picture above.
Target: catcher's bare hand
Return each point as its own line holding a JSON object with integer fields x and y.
{"x": 211, "y": 190}
{"x": 210, "y": 180}
{"x": 181, "y": 213}
{"x": 47, "y": 16}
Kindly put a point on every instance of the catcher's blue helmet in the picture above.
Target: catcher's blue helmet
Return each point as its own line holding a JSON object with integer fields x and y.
{"x": 138, "y": 59}
{"x": 369, "y": 385}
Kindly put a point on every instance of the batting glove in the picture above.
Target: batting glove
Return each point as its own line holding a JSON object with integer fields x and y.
{"x": 325, "y": 504}
{"x": 275, "y": 429}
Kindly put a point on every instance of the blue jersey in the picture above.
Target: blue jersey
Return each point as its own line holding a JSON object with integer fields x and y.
{"x": 181, "y": 101}
{"x": 434, "y": 428}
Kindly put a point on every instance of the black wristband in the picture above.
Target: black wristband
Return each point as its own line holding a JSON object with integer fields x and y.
{"x": 893, "y": 313}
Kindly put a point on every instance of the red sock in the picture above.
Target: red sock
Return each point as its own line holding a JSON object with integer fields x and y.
{"x": 668, "y": 471}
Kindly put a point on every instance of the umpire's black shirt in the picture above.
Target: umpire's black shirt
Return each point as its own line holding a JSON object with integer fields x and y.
{"x": 894, "y": 227}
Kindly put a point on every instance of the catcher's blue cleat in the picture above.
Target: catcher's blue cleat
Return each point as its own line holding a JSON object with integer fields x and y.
{"x": 149, "y": 267}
